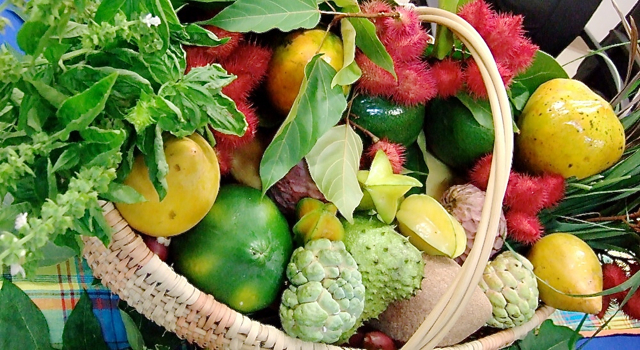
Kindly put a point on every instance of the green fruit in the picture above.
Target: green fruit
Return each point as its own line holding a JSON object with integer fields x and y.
{"x": 453, "y": 134}
{"x": 239, "y": 252}
{"x": 384, "y": 118}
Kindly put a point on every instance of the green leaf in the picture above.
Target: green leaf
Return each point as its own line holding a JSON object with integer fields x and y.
{"x": 350, "y": 71}
{"x": 264, "y": 15}
{"x": 53, "y": 53}
{"x": 334, "y": 162}
{"x": 107, "y": 10}
{"x": 155, "y": 337}
{"x": 518, "y": 95}
{"x": 82, "y": 330}
{"x": 370, "y": 44}
{"x": 22, "y": 324}
{"x": 121, "y": 193}
{"x": 79, "y": 111}
{"x": 193, "y": 34}
{"x": 29, "y": 31}
{"x": 68, "y": 159}
{"x": 54, "y": 254}
{"x": 134, "y": 336}
{"x": 543, "y": 68}
{"x": 49, "y": 93}
{"x": 480, "y": 108}
{"x": 547, "y": 336}
{"x": 317, "y": 108}
{"x": 166, "y": 67}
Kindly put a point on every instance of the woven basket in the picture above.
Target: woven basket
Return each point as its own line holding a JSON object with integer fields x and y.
{"x": 149, "y": 285}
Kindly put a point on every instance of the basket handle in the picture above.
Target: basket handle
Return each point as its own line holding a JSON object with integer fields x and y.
{"x": 450, "y": 306}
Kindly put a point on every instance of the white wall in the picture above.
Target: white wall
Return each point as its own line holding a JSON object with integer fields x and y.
{"x": 606, "y": 18}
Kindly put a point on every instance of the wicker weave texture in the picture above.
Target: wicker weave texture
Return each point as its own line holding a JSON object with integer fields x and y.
{"x": 149, "y": 285}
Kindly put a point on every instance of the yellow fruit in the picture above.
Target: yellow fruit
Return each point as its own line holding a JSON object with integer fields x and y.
{"x": 430, "y": 227}
{"x": 568, "y": 129}
{"x": 569, "y": 265}
{"x": 286, "y": 68}
{"x": 193, "y": 181}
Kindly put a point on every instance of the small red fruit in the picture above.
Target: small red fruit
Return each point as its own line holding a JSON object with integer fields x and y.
{"x": 376, "y": 340}
{"x": 158, "y": 245}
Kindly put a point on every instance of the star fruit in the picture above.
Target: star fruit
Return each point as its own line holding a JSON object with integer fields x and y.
{"x": 316, "y": 220}
{"x": 383, "y": 190}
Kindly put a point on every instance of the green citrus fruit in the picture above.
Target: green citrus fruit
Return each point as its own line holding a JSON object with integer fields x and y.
{"x": 386, "y": 119}
{"x": 239, "y": 251}
{"x": 286, "y": 68}
{"x": 568, "y": 129}
{"x": 454, "y": 136}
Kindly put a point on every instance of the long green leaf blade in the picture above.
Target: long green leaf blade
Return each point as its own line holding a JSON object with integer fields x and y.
{"x": 317, "y": 108}
{"x": 261, "y": 16}
{"x": 82, "y": 329}
{"x": 333, "y": 164}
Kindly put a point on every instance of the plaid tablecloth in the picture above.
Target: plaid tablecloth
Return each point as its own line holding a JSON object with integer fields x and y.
{"x": 57, "y": 289}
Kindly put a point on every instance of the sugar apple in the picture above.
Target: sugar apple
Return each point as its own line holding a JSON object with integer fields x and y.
{"x": 511, "y": 286}
{"x": 464, "y": 202}
{"x": 326, "y": 294}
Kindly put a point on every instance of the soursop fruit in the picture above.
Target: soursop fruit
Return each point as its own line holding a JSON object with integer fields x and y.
{"x": 392, "y": 268}
{"x": 326, "y": 294}
{"x": 464, "y": 202}
{"x": 511, "y": 286}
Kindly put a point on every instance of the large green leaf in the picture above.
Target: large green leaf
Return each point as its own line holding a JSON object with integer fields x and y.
{"x": 543, "y": 68}
{"x": 261, "y": 16}
{"x": 317, "y": 108}
{"x": 370, "y": 44}
{"x": 548, "y": 336}
{"x": 481, "y": 109}
{"x": 350, "y": 72}
{"x": 82, "y": 329}
{"x": 79, "y": 111}
{"x": 334, "y": 162}
{"x": 22, "y": 324}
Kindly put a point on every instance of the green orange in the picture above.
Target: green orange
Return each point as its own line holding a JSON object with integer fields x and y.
{"x": 387, "y": 119}
{"x": 239, "y": 251}
{"x": 454, "y": 136}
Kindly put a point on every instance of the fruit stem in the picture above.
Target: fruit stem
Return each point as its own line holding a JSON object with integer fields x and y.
{"x": 616, "y": 217}
{"x": 341, "y": 15}
{"x": 373, "y": 137}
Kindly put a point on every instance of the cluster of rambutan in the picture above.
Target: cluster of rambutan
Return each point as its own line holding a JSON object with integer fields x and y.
{"x": 525, "y": 197}
{"x": 504, "y": 34}
{"x": 249, "y": 62}
{"x": 614, "y": 274}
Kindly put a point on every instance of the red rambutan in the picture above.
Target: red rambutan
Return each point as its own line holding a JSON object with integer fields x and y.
{"x": 448, "y": 76}
{"x": 249, "y": 58}
{"x": 521, "y": 56}
{"x": 606, "y": 303}
{"x": 405, "y": 49}
{"x": 613, "y": 275}
{"x": 480, "y": 15}
{"x": 507, "y": 29}
{"x": 394, "y": 151}
{"x": 224, "y": 158}
{"x": 554, "y": 185}
{"x": 522, "y": 227}
{"x": 525, "y": 194}
{"x": 416, "y": 84}
{"x": 475, "y": 83}
{"x": 406, "y": 25}
{"x": 375, "y": 7}
{"x": 197, "y": 56}
{"x": 233, "y": 141}
{"x": 374, "y": 81}
{"x": 220, "y": 52}
{"x": 479, "y": 173}
{"x": 632, "y": 307}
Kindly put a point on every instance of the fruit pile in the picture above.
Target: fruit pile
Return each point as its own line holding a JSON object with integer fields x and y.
{"x": 354, "y": 191}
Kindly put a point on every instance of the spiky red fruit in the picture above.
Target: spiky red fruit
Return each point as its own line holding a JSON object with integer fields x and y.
{"x": 220, "y": 52}
{"x": 521, "y": 55}
{"x": 632, "y": 307}
{"x": 224, "y": 159}
{"x": 394, "y": 151}
{"x": 227, "y": 141}
{"x": 507, "y": 30}
{"x": 197, "y": 56}
{"x": 416, "y": 84}
{"x": 613, "y": 275}
{"x": 404, "y": 37}
{"x": 475, "y": 82}
{"x": 376, "y": 7}
{"x": 374, "y": 81}
{"x": 554, "y": 185}
{"x": 448, "y": 76}
{"x": 522, "y": 227}
{"x": 480, "y": 15}
{"x": 479, "y": 174}
{"x": 525, "y": 193}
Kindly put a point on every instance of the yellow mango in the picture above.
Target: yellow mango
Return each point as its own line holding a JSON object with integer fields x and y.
{"x": 566, "y": 263}
{"x": 193, "y": 182}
